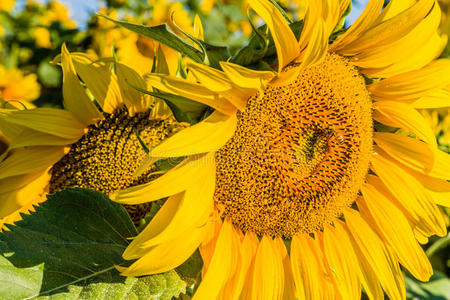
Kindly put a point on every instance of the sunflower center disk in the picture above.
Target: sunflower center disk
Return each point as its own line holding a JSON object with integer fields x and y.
{"x": 107, "y": 156}
{"x": 300, "y": 152}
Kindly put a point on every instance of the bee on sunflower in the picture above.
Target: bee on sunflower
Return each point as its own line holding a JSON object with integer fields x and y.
{"x": 95, "y": 142}
{"x": 299, "y": 183}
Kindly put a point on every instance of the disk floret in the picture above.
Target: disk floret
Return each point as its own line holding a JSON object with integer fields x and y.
{"x": 106, "y": 157}
{"x": 300, "y": 152}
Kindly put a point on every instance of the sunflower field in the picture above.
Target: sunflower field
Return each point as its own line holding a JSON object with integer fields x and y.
{"x": 225, "y": 149}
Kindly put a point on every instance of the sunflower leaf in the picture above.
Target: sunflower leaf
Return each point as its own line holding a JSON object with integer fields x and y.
{"x": 77, "y": 237}
{"x": 183, "y": 109}
{"x": 162, "y": 34}
{"x": 253, "y": 53}
{"x": 436, "y": 289}
{"x": 27, "y": 281}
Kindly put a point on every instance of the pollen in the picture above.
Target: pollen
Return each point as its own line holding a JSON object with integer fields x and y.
{"x": 300, "y": 152}
{"x": 107, "y": 156}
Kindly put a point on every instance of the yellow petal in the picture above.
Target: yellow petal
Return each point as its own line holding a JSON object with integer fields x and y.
{"x": 393, "y": 50}
{"x": 393, "y": 227}
{"x": 193, "y": 91}
{"x": 410, "y": 195}
{"x": 198, "y": 28}
{"x": 246, "y": 78}
{"x": 159, "y": 222}
{"x": 332, "y": 13}
{"x": 317, "y": 47}
{"x": 409, "y": 151}
{"x": 135, "y": 100}
{"x": 167, "y": 256}
{"x": 307, "y": 268}
{"x": 218, "y": 82}
{"x": 314, "y": 14}
{"x": 289, "y": 286}
{"x": 415, "y": 154}
{"x": 248, "y": 252}
{"x": 53, "y": 121}
{"x": 208, "y": 245}
{"x": 16, "y": 182}
{"x": 284, "y": 39}
{"x": 397, "y": 114}
{"x": 435, "y": 99}
{"x": 208, "y": 135}
{"x": 30, "y": 137}
{"x": 381, "y": 260}
{"x": 100, "y": 81}
{"x": 197, "y": 203}
{"x": 414, "y": 84}
{"x": 364, "y": 269}
{"x": 343, "y": 263}
{"x": 17, "y": 199}
{"x": 363, "y": 23}
{"x": 173, "y": 182}
{"x": 215, "y": 80}
{"x": 8, "y": 131}
{"x": 31, "y": 159}
{"x": 222, "y": 265}
{"x": 391, "y": 30}
{"x": 421, "y": 57}
{"x": 268, "y": 274}
{"x": 231, "y": 289}
{"x": 394, "y": 8}
{"x": 297, "y": 268}
{"x": 75, "y": 98}
{"x": 438, "y": 189}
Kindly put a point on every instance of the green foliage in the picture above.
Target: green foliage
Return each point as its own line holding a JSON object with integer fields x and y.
{"x": 26, "y": 281}
{"x": 210, "y": 54}
{"x": 162, "y": 34}
{"x": 261, "y": 47}
{"x": 70, "y": 246}
{"x": 183, "y": 109}
{"x": 438, "y": 288}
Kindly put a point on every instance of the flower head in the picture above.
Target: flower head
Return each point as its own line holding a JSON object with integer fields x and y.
{"x": 96, "y": 142}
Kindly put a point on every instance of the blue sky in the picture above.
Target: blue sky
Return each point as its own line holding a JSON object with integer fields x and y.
{"x": 81, "y": 9}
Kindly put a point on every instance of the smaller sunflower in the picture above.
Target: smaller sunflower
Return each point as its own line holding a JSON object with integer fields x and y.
{"x": 90, "y": 144}
{"x": 17, "y": 88}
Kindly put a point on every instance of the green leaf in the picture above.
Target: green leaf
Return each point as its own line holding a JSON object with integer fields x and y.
{"x": 252, "y": 54}
{"x": 183, "y": 109}
{"x": 190, "y": 270}
{"x": 162, "y": 34}
{"x": 26, "y": 281}
{"x": 161, "y": 286}
{"x": 438, "y": 288}
{"x": 78, "y": 236}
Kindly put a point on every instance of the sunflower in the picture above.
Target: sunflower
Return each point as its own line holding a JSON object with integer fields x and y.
{"x": 298, "y": 184}
{"x": 7, "y": 5}
{"x": 17, "y": 88}
{"x": 55, "y": 12}
{"x": 89, "y": 144}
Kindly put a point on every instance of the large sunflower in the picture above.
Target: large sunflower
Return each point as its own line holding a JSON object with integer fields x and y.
{"x": 95, "y": 142}
{"x": 297, "y": 185}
